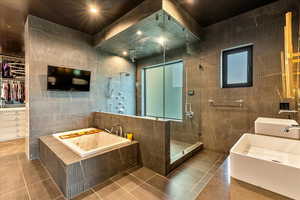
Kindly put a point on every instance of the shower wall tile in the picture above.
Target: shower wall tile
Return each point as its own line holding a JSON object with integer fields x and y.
{"x": 219, "y": 128}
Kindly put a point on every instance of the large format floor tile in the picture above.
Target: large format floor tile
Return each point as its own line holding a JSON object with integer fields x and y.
{"x": 89, "y": 195}
{"x": 44, "y": 190}
{"x": 222, "y": 186}
{"x": 22, "y": 179}
{"x": 11, "y": 178}
{"x": 112, "y": 191}
{"x": 143, "y": 173}
{"x": 127, "y": 181}
{"x": 21, "y": 194}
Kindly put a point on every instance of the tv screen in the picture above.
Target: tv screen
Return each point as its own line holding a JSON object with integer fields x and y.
{"x": 67, "y": 79}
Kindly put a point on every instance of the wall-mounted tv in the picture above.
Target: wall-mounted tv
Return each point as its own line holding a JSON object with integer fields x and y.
{"x": 67, "y": 79}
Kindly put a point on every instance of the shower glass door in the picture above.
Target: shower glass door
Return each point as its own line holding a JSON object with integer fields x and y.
{"x": 163, "y": 86}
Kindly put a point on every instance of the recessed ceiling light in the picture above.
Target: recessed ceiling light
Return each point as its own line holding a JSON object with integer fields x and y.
{"x": 139, "y": 32}
{"x": 93, "y": 9}
{"x": 125, "y": 53}
{"x": 161, "y": 41}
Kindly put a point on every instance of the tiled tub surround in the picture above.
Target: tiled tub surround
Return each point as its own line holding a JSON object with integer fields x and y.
{"x": 74, "y": 174}
{"x": 153, "y": 137}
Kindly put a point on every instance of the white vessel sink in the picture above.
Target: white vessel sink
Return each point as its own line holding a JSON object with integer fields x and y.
{"x": 275, "y": 127}
{"x": 268, "y": 162}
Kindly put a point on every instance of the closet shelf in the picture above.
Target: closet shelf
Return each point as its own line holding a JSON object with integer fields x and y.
{"x": 13, "y": 79}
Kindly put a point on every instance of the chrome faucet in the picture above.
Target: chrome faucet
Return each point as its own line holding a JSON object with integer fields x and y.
{"x": 119, "y": 131}
{"x": 294, "y": 126}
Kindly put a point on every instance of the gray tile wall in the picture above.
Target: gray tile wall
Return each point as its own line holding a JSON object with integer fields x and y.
{"x": 263, "y": 27}
{"x": 46, "y": 44}
{"x": 220, "y": 128}
{"x": 153, "y": 137}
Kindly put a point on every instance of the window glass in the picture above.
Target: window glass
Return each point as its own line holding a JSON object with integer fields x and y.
{"x": 237, "y": 67}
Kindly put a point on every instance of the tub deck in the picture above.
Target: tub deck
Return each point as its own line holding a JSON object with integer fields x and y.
{"x": 90, "y": 143}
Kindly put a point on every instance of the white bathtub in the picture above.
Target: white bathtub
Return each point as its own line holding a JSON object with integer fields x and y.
{"x": 89, "y": 144}
{"x": 267, "y": 162}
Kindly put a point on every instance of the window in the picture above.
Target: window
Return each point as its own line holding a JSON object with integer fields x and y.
{"x": 163, "y": 90}
{"x": 237, "y": 67}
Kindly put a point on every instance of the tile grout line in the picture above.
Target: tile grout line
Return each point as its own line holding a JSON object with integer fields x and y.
{"x": 150, "y": 178}
{"x": 50, "y": 177}
{"x": 96, "y": 193}
{"x": 140, "y": 178}
{"x": 127, "y": 190}
{"x": 206, "y": 174}
{"x": 145, "y": 182}
{"x": 25, "y": 182}
{"x": 133, "y": 187}
{"x": 59, "y": 197}
{"x": 208, "y": 171}
{"x": 12, "y": 191}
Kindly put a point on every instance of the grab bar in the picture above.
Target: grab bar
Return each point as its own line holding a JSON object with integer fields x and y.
{"x": 239, "y": 103}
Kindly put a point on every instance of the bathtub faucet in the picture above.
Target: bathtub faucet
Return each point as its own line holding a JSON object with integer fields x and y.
{"x": 119, "y": 130}
{"x": 287, "y": 129}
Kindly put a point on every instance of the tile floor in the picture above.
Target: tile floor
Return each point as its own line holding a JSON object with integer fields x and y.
{"x": 223, "y": 187}
{"x": 22, "y": 179}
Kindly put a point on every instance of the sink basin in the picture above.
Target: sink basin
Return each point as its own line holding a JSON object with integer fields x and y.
{"x": 275, "y": 127}
{"x": 268, "y": 162}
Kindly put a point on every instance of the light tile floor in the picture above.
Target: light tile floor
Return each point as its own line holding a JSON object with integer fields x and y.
{"x": 29, "y": 180}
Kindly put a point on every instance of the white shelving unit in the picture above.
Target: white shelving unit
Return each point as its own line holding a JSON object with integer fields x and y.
{"x": 13, "y": 123}
{"x": 12, "y": 119}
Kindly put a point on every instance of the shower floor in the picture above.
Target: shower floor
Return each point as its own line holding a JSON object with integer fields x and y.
{"x": 177, "y": 148}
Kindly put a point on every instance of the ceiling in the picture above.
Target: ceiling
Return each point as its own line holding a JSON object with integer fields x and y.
{"x": 208, "y": 12}
{"x": 153, "y": 29}
{"x": 73, "y": 13}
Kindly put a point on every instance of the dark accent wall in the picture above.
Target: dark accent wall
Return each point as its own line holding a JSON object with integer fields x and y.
{"x": 263, "y": 27}
{"x": 220, "y": 127}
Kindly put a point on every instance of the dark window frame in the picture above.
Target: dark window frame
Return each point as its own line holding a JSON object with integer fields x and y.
{"x": 225, "y": 54}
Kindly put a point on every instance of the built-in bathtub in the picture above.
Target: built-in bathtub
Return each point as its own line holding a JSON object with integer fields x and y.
{"x": 79, "y": 163}
{"x": 85, "y": 145}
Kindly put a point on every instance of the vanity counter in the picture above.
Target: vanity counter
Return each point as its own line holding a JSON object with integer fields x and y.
{"x": 223, "y": 187}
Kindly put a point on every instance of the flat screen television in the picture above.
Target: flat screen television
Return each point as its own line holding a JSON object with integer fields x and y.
{"x": 67, "y": 79}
